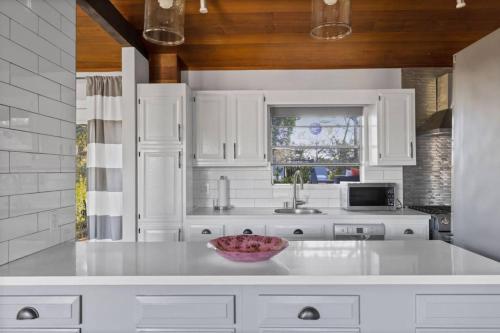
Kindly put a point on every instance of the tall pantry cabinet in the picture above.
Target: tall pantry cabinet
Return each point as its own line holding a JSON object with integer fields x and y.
{"x": 163, "y": 143}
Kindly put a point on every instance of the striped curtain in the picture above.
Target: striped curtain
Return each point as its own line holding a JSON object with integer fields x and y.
{"x": 104, "y": 157}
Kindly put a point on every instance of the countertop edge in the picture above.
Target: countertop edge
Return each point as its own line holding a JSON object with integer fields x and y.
{"x": 249, "y": 280}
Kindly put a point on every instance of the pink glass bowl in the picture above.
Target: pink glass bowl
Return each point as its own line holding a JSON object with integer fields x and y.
{"x": 248, "y": 248}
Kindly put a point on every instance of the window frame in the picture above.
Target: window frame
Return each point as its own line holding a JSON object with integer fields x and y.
{"x": 361, "y": 148}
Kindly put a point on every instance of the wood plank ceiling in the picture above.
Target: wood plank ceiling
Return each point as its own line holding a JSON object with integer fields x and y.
{"x": 274, "y": 34}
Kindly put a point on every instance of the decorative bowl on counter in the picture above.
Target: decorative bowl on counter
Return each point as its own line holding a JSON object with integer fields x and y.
{"x": 248, "y": 248}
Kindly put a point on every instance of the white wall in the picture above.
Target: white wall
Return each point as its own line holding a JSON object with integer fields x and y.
{"x": 476, "y": 142}
{"x": 37, "y": 125}
{"x": 294, "y": 79}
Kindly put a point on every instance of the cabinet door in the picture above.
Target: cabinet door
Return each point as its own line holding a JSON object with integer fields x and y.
{"x": 210, "y": 127}
{"x": 160, "y": 186}
{"x": 158, "y": 234}
{"x": 407, "y": 230}
{"x": 396, "y": 121}
{"x": 160, "y": 120}
{"x": 248, "y": 125}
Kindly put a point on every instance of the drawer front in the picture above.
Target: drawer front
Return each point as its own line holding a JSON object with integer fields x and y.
{"x": 245, "y": 230}
{"x": 40, "y": 330}
{"x": 458, "y": 330}
{"x": 315, "y": 311}
{"x": 297, "y": 232}
{"x": 181, "y": 330}
{"x": 458, "y": 310}
{"x": 47, "y": 311}
{"x": 309, "y": 330}
{"x": 194, "y": 311}
{"x": 407, "y": 231}
{"x": 200, "y": 233}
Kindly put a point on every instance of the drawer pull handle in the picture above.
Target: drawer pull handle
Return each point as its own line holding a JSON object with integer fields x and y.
{"x": 298, "y": 232}
{"x": 27, "y": 313}
{"x": 247, "y": 232}
{"x": 309, "y": 313}
{"x": 206, "y": 232}
{"x": 409, "y": 232}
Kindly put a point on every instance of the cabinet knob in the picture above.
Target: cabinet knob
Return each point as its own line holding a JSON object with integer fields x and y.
{"x": 309, "y": 313}
{"x": 409, "y": 232}
{"x": 206, "y": 232}
{"x": 27, "y": 313}
{"x": 298, "y": 232}
{"x": 247, "y": 232}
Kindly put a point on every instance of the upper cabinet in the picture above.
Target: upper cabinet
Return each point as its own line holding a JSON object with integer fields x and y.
{"x": 391, "y": 129}
{"x": 229, "y": 129}
{"x": 160, "y": 116}
{"x": 210, "y": 124}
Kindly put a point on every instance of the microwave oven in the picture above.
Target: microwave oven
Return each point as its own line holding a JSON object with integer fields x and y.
{"x": 368, "y": 196}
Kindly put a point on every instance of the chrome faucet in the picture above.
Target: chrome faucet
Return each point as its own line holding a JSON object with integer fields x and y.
{"x": 296, "y": 203}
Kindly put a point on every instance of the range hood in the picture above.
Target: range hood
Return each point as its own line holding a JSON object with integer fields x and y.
{"x": 440, "y": 122}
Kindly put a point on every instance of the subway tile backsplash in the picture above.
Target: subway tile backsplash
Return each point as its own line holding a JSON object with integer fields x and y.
{"x": 37, "y": 125}
{"x": 252, "y": 187}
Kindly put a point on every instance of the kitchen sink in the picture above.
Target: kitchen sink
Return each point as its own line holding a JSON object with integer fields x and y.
{"x": 298, "y": 211}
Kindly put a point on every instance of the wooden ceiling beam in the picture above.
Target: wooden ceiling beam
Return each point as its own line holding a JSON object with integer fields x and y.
{"x": 109, "y": 18}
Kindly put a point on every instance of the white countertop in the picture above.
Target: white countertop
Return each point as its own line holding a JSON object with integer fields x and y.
{"x": 302, "y": 263}
{"x": 327, "y": 212}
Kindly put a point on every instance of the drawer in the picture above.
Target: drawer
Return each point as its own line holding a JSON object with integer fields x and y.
{"x": 245, "y": 230}
{"x": 309, "y": 330}
{"x": 194, "y": 311}
{"x": 40, "y": 330}
{"x": 458, "y": 330}
{"x": 316, "y": 311}
{"x": 458, "y": 310}
{"x": 182, "y": 330}
{"x": 297, "y": 232}
{"x": 407, "y": 231}
{"x": 48, "y": 311}
{"x": 199, "y": 233}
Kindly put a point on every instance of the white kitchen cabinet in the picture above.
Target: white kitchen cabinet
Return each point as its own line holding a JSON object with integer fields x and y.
{"x": 297, "y": 232}
{"x": 230, "y": 129}
{"x": 391, "y": 129}
{"x": 210, "y": 117}
{"x": 247, "y": 229}
{"x": 202, "y": 233}
{"x": 160, "y": 120}
{"x": 160, "y": 186}
{"x": 247, "y": 123}
{"x": 406, "y": 230}
{"x": 163, "y": 141}
{"x": 152, "y": 233}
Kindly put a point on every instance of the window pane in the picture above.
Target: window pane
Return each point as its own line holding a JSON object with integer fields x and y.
{"x": 316, "y": 174}
{"x": 315, "y": 135}
{"x": 315, "y": 156}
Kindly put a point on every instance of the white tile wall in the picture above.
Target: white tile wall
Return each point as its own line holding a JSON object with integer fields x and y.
{"x": 4, "y": 162}
{"x": 37, "y": 130}
{"x": 28, "y": 162}
{"x": 56, "y": 181}
{"x": 17, "y": 227}
{"x": 4, "y": 252}
{"x": 18, "y": 55}
{"x": 4, "y": 25}
{"x": 252, "y": 187}
{"x": 4, "y": 71}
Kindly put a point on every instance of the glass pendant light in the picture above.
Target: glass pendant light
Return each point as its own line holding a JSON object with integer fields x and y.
{"x": 164, "y": 22}
{"x": 331, "y": 19}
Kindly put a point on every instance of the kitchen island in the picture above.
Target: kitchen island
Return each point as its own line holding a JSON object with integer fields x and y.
{"x": 369, "y": 287}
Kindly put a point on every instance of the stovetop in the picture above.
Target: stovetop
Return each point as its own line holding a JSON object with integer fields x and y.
{"x": 433, "y": 210}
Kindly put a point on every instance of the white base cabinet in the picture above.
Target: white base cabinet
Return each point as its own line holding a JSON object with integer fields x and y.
{"x": 207, "y": 308}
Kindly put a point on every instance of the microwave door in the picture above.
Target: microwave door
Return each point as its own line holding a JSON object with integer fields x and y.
{"x": 370, "y": 198}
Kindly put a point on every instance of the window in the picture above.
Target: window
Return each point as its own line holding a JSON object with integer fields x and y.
{"x": 322, "y": 142}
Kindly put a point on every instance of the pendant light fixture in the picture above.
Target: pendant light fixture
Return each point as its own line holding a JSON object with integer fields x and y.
{"x": 164, "y": 22}
{"x": 331, "y": 19}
